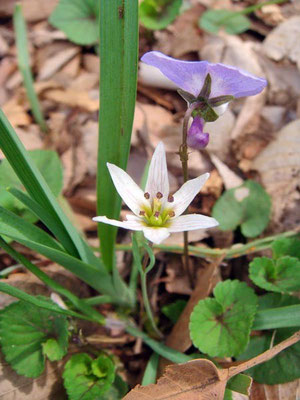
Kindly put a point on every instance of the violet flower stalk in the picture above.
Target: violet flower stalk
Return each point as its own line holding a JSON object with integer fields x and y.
{"x": 156, "y": 212}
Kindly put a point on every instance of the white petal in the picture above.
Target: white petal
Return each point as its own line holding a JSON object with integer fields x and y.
{"x": 191, "y": 222}
{"x": 156, "y": 235}
{"x": 185, "y": 195}
{"x": 221, "y": 109}
{"x": 158, "y": 180}
{"x": 133, "y": 225}
{"x": 132, "y": 195}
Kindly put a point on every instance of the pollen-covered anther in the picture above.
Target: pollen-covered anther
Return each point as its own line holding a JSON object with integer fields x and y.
{"x": 171, "y": 214}
{"x": 159, "y": 195}
{"x": 156, "y": 214}
{"x": 170, "y": 198}
{"x": 147, "y": 195}
{"x": 142, "y": 213}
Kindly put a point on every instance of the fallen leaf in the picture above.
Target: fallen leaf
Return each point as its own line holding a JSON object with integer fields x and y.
{"x": 285, "y": 391}
{"x": 46, "y": 386}
{"x": 279, "y": 168}
{"x": 200, "y": 379}
{"x": 230, "y": 178}
{"x": 283, "y": 41}
{"x": 16, "y": 113}
{"x": 73, "y": 98}
{"x": 271, "y": 14}
{"x": 33, "y": 10}
{"x": 55, "y": 61}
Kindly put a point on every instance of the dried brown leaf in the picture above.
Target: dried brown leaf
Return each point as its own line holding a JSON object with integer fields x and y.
{"x": 201, "y": 379}
{"x": 279, "y": 167}
{"x": 73, "y": 98}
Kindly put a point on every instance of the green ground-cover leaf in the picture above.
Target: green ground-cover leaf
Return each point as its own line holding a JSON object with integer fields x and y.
{"x": 281, "y": 275}
{"x": 286, "y": 247}
{"x": 158, "y": 14}
{"x": 173, "y": 310}
{"x": 285, "y": 367}
{"x": 25, "y": 331}
{"x": 233, "y": 22}
{"x": 88, "y": 379}
{"x": 220, "y": 326}
{"x": 78, "y": 19}
{"x": 49, "y": 165}
{"x": 248, "y": 206}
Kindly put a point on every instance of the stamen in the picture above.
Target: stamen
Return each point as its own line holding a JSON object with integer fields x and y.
{"x": 170, "y": 198}
{"x": 142, "y": 213}
{"x": 147, "y": 195}
{"x": 156, "y": 214}
{"x": 171, "y": 214}
{"x": 159, "y": 195}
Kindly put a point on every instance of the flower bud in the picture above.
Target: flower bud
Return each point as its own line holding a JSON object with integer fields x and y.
{"x": 196, "y": 138}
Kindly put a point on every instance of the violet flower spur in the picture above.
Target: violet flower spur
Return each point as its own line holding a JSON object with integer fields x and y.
{"x": 156, "y": 212}
{"x": 196, "y": 137}
{"x": 212, "y": 85}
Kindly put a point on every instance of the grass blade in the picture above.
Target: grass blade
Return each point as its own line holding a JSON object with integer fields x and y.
{"x": 24, "y": 66}
{"x": 38, "y": 189}
{"x": 151, "y": 370}
{"x": 79, "y": 304}
{"x": 119, "y": 53}
{"x": 19, "y": 294}
{"x": 280, "y": 317}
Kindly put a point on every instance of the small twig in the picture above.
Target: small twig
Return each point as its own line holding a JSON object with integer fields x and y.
{"x": 267, "y": 355}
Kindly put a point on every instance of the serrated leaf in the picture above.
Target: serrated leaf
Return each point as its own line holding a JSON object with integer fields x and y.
{"x": 285, "y": 367}
{"x": 286, "y": 247}
{"x": 173, "y": 310}
{"x": 281, "y": 275}
{"x": 24, "y": 329}
{"x": 220, "y": 327}
{"x": 82, "y": 378}
{"x": 158, "y": 14}
{"x": 248, "y": 206}
{"x": 48, "y": 163}
{"x": 78, "y": 19}
{"x": 233, "y": 22}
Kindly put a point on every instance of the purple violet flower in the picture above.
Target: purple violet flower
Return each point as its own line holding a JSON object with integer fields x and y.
{"x": 212, "y": 85}
{"x": 196, "y": 138}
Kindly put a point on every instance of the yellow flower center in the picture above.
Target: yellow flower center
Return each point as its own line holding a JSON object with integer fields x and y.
{"x": 157, "y": 215}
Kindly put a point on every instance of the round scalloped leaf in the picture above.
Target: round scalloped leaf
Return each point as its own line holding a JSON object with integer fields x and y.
{"x": 281, "y": 275}
{"x": 220, "y": 327}
{"x": 155, "y": 14}
{"x": 249, "y": 206}
{"x": 285, "y": 367}
{"x": 78, "y": 19}
{"x": 286, "y": 247}
{"x": 88, "y": 379}
{"x": 24, "y": 329}
{"x": 233, "y": 23}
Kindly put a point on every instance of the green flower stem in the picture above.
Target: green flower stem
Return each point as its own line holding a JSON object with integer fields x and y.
{"x": 183, "y": 153}
{"x": 24, "y": 66}
{"x": 148, "y": 264}
{"x": 238, "y": 250}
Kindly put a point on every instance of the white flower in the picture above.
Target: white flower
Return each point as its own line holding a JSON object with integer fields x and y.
{"x": 157, "y": 213}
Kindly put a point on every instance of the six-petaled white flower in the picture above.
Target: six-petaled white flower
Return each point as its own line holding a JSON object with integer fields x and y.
{"x": 156, "y": 212}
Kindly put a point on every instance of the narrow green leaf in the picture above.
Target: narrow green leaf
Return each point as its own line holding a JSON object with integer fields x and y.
{"x": 37, "y": 187}
{"x": 78, "y": 19}
{"x": 79, "y": 304}
{"x": 220, "y": 327}
{"x": 151, "y": 370}
{"x": 36, "y": 301}
{"x": 24, "y": 66}
{"x": 119, "y": 53}
{"x": 160, "y": 348}
{"x": 25, "y": 331}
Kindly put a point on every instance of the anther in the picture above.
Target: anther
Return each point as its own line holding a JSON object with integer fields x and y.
{"x": 142, "y": 213}
{"x": 170, "y": 198}
{"x": 171, "y": 214}
{"x": 159, "y": 195}
{"x": 147, "y": 195}
{"x": 156, "y": 214}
